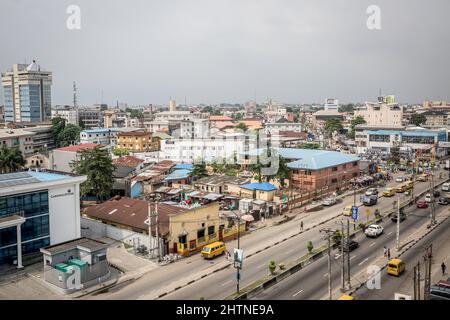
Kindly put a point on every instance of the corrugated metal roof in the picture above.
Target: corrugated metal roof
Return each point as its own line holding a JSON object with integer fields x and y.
{"x": 263, "y": 186}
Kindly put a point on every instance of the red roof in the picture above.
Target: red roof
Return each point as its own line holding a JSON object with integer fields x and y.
{"x": 128, "y": 161}
{"x": 79, "y": 147}
{"x": 220, "y": 118}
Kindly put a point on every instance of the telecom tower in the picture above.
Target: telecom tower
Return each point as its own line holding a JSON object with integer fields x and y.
{"x": 74, "y": 94}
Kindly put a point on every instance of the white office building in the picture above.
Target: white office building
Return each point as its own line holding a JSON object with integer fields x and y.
{"x": 68, "y": 113}
{"x": 220, "y": 147}
{"x": 331, "y": 104}
{"x": 37, "y": 209}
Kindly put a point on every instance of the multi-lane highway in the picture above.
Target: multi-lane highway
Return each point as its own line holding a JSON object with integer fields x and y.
{"x": 312, "y": 282}
{"x": 223, "y": 283}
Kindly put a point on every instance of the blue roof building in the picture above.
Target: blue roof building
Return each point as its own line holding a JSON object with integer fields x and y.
{"x": 263, "y": 186}
{"x": 310, "y": 159}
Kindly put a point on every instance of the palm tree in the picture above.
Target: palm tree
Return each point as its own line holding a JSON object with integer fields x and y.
{"x": 11, "y": 159}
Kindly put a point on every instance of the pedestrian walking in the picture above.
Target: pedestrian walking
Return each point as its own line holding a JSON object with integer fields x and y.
{"x": 385, "y": 251}
{"x": 443, "y": 267}
{"x": 389, "y": 254}
{"x": 301, "y": 225}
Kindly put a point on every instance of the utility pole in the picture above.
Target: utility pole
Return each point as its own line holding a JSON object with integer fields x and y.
{"x": 157, "y": 232}
{"x": 418, "y": 280}
{"x": 329, "y": 234}
{"x": 415, "y": 283}
{"x": 150, "y": 239}
{"x": 427, "y": 284}
{"x": 343, "y": 257}
{"x": 397, "y": 243}
{"x": 349, "y": 285}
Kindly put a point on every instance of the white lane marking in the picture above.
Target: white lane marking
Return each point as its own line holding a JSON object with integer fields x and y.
{"x": 289, "y": 251}
{"x": 390, "y": 233}
{"x": 297, "y": 293}
{"x": 365, "y": 260}
{"x": 225, "y": 283}
{"x": 337, "y": 256}
{"x": 372, "y": 244}
{"x": 325, "y": 275}
{"x": 352, "y": 257}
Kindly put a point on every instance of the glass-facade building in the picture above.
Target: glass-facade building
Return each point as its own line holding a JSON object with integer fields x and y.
{"x": 9, "y": 104}
{"x": 35, "y": 231}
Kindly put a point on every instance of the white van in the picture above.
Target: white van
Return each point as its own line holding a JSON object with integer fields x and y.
{"x": 445, "y": 187}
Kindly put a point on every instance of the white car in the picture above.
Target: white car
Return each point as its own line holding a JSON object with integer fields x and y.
{"x": 445, "y": 187}
{"x": 374, "y": 230}
{"x": 399, "y": 179}
{"x": 428, "y": 197}
{"x": 329, "y": 201}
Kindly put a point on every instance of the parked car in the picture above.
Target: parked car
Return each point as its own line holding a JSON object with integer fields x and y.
{"x": 329, "y": 201}
{"x": 436, "y": 194}
{"x": 444, "y": 200}
{"x": 347, "y": 211}
{"x": 388, "y": 192}
{"x": 400, "y": 179}
{"x": 374, "y": 230}
{"x": 428, "y": 198}
{"x": 402, "y": 217}
{"x": 445, "y": 187}
{"x": 422, "y": 204}
{"x": 371, "y": 192}
{"x": 402, "y": 168}
{"x": 352, "y": 245}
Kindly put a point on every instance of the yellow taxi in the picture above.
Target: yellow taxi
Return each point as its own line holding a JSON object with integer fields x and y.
{"x": 423, "y": 177}
{"x": 346, "y": 297}
{"x": 347, "y": 211}
{"x": 401, "y": 188}
{"x": 214, "y": 249}
{"x": 388, "y": 192}
{"x": 395, "y": 267}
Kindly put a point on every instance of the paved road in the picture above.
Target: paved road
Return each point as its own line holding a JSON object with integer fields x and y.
{"x": 223, "y": 283}
{"x": 156, "y": 280}
{"x": 440, "y": 238}
{"x": 312, "y": 282}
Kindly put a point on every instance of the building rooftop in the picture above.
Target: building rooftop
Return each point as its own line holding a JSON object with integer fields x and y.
{"x": 178, "y": 174}
{"x": 133, "y": 213}
{"x": 310, "y": 159}
{"x": 78, "y": 147}
{"x": 220, "y": 118}
{"x": 28, "y": 177}
{"x": 161, "y": 135}
{"x": 134, "y": 134}
{"x": 263, "y": 186}
{"x": 424, "y": 133}
{"x": 216, "y": 179}
{"x": 80, "y": 243}
{"x": 187, "y": 166}
{"x": 8, "y": 133}
{"x": 127, "y": 161}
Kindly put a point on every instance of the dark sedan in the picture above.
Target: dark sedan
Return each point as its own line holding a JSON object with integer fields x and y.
{"x": 444, "y": 200}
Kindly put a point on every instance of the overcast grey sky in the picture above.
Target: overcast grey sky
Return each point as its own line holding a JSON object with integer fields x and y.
{"x": 295, "y": 51}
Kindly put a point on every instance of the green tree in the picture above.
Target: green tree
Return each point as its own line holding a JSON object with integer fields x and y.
{"x": 332, "y": 125}
{"x": 97, "y": 165}
{"x": 394, "y": 156}
{"x": 264, "y": 160}
{"x": 199, "y": 170}
{"x": 120, "y": 152}
{"x": 309, "y": 145}
{"x": 237, "y": 116}
{"x": 242, "y": 126}
{"x": 357, "y": 121}
{"x": 134, "y": 113}
{"x": 58, "y": 125}
{"x": 417, "y": 119}
{"x": 347, "y": 107}
{"x": 69, "y": 135}
{"x": 11, "y": 159}
{"x": 309, "y": 246}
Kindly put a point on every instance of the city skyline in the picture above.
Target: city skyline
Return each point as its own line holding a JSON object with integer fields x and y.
{"x": 232, "y": 52}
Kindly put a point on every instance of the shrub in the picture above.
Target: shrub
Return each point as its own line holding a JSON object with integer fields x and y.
{"x": 272, "y": 266}
{"x": 281, "y": 266}
{"x": 310, "y": 247}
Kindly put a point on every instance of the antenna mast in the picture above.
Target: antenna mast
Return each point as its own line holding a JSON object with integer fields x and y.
{"x": 74, "y": 94}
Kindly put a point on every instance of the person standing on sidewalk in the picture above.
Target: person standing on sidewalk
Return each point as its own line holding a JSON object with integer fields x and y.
{"x": 385, "y": 251}
{"x": 301, "y": 225}
{"x": 389, "y": 254}
{"x": 443, "y": 267}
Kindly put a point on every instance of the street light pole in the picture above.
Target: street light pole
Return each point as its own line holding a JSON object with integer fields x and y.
{"x": 397, "y": 243}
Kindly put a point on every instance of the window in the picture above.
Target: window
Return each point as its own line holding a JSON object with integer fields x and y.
{"x": 334, "y": 169}
{"x": 210, "y": 230}
{"x": 334, "y": 180}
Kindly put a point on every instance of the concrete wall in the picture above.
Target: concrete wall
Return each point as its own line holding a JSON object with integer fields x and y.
{"x": 60, "y": 160}
{"x": 94, "y": 228}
